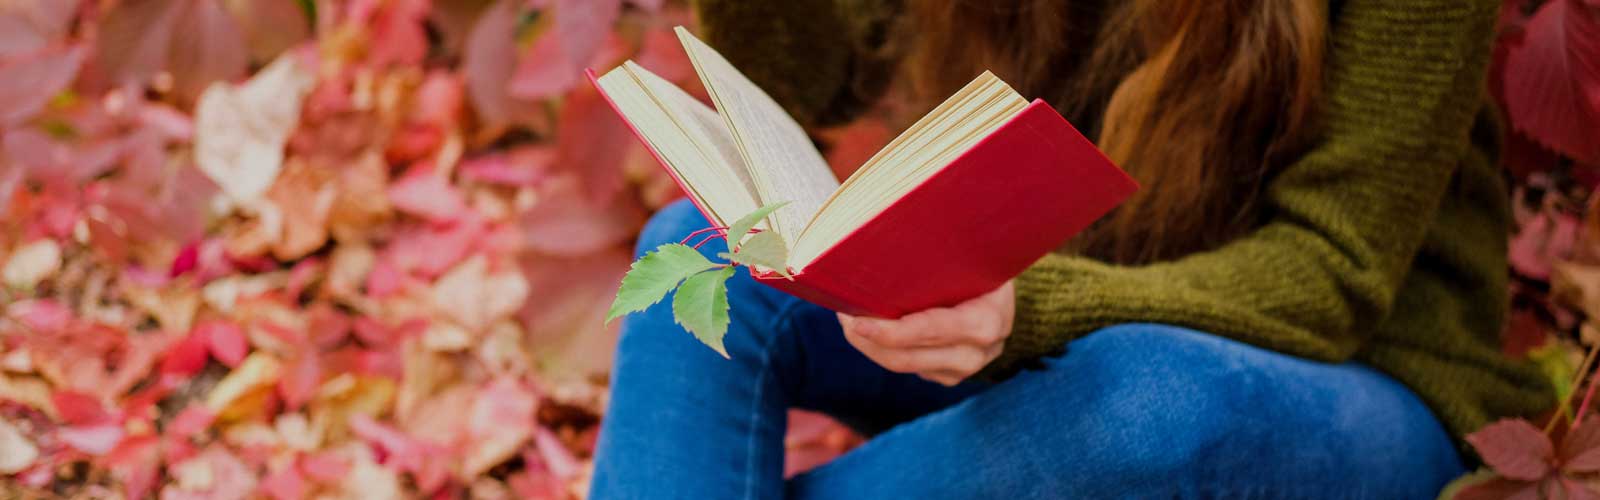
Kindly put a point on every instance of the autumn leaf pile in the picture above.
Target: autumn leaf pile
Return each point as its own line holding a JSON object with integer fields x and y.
{"x": 1546, "y": 77}
{"x": 317, "y": 248}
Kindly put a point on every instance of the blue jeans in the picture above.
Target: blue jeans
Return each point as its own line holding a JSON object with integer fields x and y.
{"x": 1131, "y": 411}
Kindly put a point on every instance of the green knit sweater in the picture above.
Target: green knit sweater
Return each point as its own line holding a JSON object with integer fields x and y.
{"x": 1384, "y": 244}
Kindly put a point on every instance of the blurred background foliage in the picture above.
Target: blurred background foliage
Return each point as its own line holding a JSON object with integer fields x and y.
{"x": 362, "y": 248}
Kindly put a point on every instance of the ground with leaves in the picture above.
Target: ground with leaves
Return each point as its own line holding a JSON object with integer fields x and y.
{"x": 366, "y": 247}
{"x": 356, "y": 248}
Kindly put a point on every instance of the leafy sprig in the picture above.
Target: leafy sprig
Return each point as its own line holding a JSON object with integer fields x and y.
{"x": 701, "y": 303}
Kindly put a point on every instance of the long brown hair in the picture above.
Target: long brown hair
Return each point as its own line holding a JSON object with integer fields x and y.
{"x": 1200, "y": 100}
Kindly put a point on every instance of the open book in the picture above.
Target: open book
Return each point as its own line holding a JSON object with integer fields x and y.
{"x": 963, "y": 200}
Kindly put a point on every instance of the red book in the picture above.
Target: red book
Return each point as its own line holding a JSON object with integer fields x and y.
{"x": 965, "y": 199}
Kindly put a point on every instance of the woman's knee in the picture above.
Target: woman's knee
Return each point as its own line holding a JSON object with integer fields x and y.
{"x": 1187, "y": 401}
{"x": 671, "y": 224}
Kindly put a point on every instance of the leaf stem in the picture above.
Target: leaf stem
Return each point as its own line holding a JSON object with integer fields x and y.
{"x": 1583, "y": 369}
{"x": 691, "y": 236}
{"x": 1584, "y": 406}
{"x": 703, "y": 241}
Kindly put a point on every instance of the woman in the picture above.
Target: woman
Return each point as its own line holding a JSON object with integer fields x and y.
{"x": 1304, "y": 300}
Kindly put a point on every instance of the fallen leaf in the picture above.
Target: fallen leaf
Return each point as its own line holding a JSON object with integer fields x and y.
{"x": 27, "y": 83}
{"x": 488, "y": 61}
{"x": 259, "y": 371}
{"x": 423, "y": 193}
{"x": 17, "y": 453}
{"x": 241, "y": 130}
{"x": 1552, "y": 79}
{"x": 95, "y": 439}
{"x": 500, "y": 421}
{"x": 1514, "y": 448}
{"x": 32, "y": 263}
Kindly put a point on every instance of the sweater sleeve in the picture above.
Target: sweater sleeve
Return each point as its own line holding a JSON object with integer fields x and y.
{"x": 1343, "y": 222}
{"x": 815, "y": 57}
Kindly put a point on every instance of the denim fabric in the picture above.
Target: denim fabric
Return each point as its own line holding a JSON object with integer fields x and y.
{"x": 1132, "y": 411}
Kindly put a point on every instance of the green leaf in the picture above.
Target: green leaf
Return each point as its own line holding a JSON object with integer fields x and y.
{"x": 765, "y": 249}
{"x": 655, "y": 274}
{"x": 701, "y": 306}
{"x": 737, "y": 231}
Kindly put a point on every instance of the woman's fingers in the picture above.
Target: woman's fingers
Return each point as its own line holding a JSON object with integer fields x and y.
{"x": 930, "y": 328}
{"x": 945, "y": 345}
{"x": 957, "y": 360}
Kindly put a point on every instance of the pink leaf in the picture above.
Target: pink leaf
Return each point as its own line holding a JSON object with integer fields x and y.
{"x": 1514, "y": 448}
{"x": 207, "y": 46}
{"x": 186, "y": 357}
{"x": 555, "y": 455}
{"x": 191, "y": 421}
{"x": 564, "y": 223}
{"x": 97, "y": 439}
{"x": 1575, "y": 490}
{"x": 522, "y": 166}
{"x": 594, "y": 143}
{"x": 384, "y": 280}
{"x": 588, "y": 282}
{"x": 28, "y": 25}
{"x": 27, "y": 83}
{"x": 1543, "y": 240}
{"x": 583, "y": 25}
{"x": 42, "y": 315}
{"x": 398, "y": 37}
{"x": 536, "y": 485}
{"x": 1500, "y": 488}
{"x": 60, "y": 163}
{"x": 328, "y": 326}
{"x": 325, "y": 467}
{"x": 544, "y": 70}
{"x": 429, "y": 251}
{"x": 499, "y": 422}
{"x": 225, "y": 340}
{"x": 300, "y": 381}
{"x": 662, "y": 54}
{"x": 438, "y": 100}
{"x": 1580, "y": 449}
{"x": 136, "y": 463}
{"x": 78, "y": 408}
{"x": 286, "y": 484}
{"x": 225, "y": 476}
{"x": 134, "y": 37}
{"x": 1552, "y": 80}
{"x": 270, "y": 27}
{"x": 400, "y": 446}
{"x": 488, "y": 61}
{"x": 425, "y": 194}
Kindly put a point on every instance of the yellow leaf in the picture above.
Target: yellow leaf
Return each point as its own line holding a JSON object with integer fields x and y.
{"x": 243, "y": 387}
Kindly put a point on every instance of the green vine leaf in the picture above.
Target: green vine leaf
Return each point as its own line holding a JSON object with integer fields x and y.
{"x": 701, "y": 306}
{"x": 765, "y": 249}
{"x": 655, "y": 274}
{"x": 701, "y": 303}
{"x": 742, "y": 226}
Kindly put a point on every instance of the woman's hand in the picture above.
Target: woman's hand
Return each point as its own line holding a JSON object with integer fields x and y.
{"x": 945, "y": 344}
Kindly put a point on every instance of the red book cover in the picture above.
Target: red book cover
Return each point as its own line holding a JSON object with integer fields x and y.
{"x": 1016, "y": 195}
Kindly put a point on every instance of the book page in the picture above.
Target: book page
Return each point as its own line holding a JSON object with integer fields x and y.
{"x": 783, "y": 163}
{"x": 917, "y": 154}
{"x": 699, "y": 122}
{"x": 707, "y": 176}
